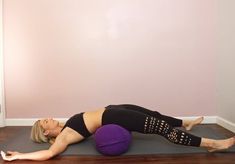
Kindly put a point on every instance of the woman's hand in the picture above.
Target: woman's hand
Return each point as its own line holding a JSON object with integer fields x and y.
{"x": 11, "y": 155}
{"x": 61, "y": 143}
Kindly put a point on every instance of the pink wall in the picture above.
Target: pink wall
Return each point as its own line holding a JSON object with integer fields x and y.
{"x": 67, "y": 56}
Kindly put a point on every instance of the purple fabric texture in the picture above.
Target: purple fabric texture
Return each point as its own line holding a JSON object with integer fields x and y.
{"x": 112, "y": 140}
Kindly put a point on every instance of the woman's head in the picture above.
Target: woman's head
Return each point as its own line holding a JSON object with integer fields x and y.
{"x": 43, "y": 130}
{"x": 37, "y": 133}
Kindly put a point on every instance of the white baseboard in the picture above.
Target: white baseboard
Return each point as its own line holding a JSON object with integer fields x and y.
{"x": 27, "y": 121}
{"x": 207, "y": 120}
{"x": 226, "y": 124}
{"x": 30, "y": 121}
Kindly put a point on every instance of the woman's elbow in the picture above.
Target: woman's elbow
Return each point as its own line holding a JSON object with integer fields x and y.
{"x": 48, "y": 155}
{"x": 51, "y": 154}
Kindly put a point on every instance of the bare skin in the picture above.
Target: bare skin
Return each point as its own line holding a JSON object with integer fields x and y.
{"x": 217, "y": 145}
{"x": 93, "y": 120}
{"x": 189, "y": 124}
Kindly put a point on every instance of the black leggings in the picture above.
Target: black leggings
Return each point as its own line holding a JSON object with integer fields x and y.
{"x": 139, "y": 119}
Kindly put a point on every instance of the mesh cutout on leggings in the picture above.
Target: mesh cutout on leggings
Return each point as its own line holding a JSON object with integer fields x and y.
{"x": 161, "y": 127}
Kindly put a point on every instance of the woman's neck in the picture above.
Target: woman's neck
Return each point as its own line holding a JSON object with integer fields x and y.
{"x": 55, "y": 132}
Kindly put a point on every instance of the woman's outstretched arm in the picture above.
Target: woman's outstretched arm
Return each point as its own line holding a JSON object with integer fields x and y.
{"x": 59, "y": 146}
{"x": 61, "y": 143}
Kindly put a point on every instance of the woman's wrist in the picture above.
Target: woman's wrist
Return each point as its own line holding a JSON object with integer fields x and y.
{"x": 19, "y": 156}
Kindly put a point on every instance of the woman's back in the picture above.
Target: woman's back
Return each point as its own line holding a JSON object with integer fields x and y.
{"x": 93, "y": 119}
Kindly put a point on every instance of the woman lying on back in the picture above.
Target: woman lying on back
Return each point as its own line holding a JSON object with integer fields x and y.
{"x": 131, "y": 117}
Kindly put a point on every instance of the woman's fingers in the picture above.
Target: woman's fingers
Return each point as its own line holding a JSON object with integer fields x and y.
{"x": 9, "y": 157}
{"x": 3, "y": 154}
{"x": 12, "y": 152}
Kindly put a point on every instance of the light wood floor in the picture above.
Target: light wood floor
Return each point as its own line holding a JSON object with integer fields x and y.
{"x": 211, "y": 158}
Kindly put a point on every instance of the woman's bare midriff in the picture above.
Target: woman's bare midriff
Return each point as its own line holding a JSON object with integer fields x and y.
{"x": 93, "y": 119}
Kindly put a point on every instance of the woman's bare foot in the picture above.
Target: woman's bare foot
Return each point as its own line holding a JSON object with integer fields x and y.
{"x": 218, "y": 145}
{"x": 188, "y": 124}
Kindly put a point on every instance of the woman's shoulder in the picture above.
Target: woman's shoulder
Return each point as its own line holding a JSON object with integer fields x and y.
{"x": 70, "y": 136}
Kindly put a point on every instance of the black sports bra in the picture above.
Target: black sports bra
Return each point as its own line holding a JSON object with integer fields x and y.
{"x": 76, "y": 123}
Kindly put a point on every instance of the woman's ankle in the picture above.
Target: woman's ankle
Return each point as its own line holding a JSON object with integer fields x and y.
{"x": 207, "y": 143}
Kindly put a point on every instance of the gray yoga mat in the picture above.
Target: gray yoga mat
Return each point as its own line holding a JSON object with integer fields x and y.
{"x": 141, "y": 144}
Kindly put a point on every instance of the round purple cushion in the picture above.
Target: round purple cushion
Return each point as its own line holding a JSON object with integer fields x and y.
{"x": 112, "y": 139}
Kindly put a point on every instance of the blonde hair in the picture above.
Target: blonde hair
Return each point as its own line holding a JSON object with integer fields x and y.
{"x": 38, "y": 136}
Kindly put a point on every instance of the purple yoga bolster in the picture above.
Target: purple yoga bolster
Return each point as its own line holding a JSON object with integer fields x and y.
{"x": 112, "y": 139}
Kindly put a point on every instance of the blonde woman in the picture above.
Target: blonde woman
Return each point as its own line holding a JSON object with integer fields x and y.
{"x": 131, "y": 117}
